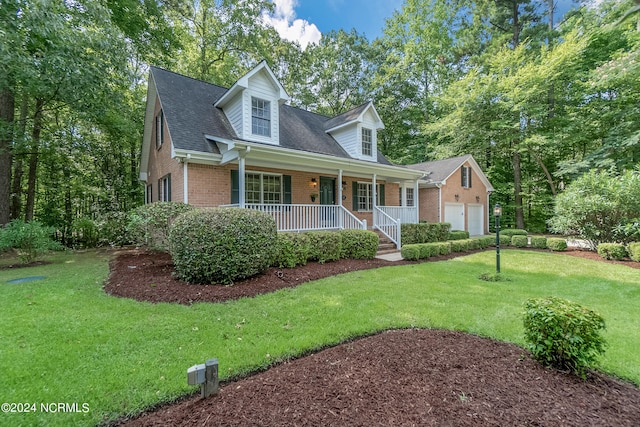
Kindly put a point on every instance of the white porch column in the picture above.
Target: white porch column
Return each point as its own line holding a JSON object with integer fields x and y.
{"x": 403, "y": 194}
{"x": 339, "y": 187}
{"x": 241, "y": 180}
{"x": 185, "y": 179}
{"x": 416, "y": 200}
{"x": 374, "y": 193}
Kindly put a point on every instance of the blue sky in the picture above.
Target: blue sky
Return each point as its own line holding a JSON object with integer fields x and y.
{"x": 306, "y": 20}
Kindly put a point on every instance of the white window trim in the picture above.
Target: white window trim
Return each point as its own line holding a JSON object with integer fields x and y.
{"x": 369, "y": 196}
{"x": 368, "y": 143}
{"x": 261, "y": 118}
{"x": 262, "y": 175}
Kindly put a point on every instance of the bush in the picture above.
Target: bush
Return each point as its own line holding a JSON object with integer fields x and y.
{"x": 458, "y": 235}
{"x": 519, "y": 241}
{"x": 411, "y": 252}
{"x": 113, "y": 229}
{"x": 473, "y": 244}
{"x": 556, "y": 244}
{"x": 222, "y": 245}
{"x": 459, "y": 245}
{"x": 359, "y": 244}
{"x": 485, "y": 241}
{"x": 614, "y": 251}
{"x": 85, "y": 233}
{"x": 600, "y": 207}
{"x": 444, "y": 248}
{"x": 30, "y": 239}
{"x": 539, "y": 242}
{"x": 150, "y": 224}
{"x": 424, "y": 232}
{"x": 563, "y": 334}
{"x": 513, "y": 232}
{"x": 504, "y": 240}
{"x": 324, "y": 246}
{"x": 634, "y": 251}
{"x": 293, "y": 250}
{"x": 427, "y": 250}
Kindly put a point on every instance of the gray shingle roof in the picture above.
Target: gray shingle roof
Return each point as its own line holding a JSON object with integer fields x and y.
{"x": 188, "y": 106}
{"x": 440, "y": 169}
{"x": 345, "y": 117}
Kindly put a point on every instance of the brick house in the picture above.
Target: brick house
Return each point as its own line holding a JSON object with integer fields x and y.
{"x": 243, "y": 146}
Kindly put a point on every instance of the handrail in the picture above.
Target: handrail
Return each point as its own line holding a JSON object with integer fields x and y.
{"x": 387, "y": 225}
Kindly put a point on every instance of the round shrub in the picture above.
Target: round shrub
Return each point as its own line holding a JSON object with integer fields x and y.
{"x": 325, "y": 246}
{"x": 222, "y": 245}
{"x": 293, "y": 250}
{"x": 539, "y": 242}
{"x": 615, "y": 251}
{"x": 359, "y": 244}
{"x": 30, "y": 239}
{"x": 410, "y": 252}
{"x": 634, "y": 251}
{"x": 563, "y": 334}
{"x": 513, "y": 232}
{"x": 458, "y": 235}
{"x": 519, "y": 241}
{"x": 556, "y": 244}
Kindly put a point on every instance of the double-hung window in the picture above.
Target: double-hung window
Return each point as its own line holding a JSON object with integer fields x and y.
{"x": 164, "y": 188}
{"x": 364, "y": 196}
{"x": 367, "y": 141}
{"x": 466, "y": 176}
{"x": 260, "y": 117}
{"x": 263, "y": 188}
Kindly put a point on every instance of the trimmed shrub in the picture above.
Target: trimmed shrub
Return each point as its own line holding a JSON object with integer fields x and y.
{"x": 513, "y": 232}
{"x": 113, "y": 229}
{"x": 473, "y": 244}
{"x": 293, "y": 250}
{"x": 485, "y": 241}
{"x": 29, "y": 239}
{"x": 459, "y": 245}
{"x": 359, "y": 244}
{"x": 410, "y": 252}
{"x": 325, "y": 246}
{"x": 427, "y": 250}
{"x": 563, "y": 334}
{"x": 634, "y": 251}
{"x": 424, "y": 232}
{"x": 556, "y": 244}
{"x": 614, "y": 251}
{"x": 150, "y": 224}
{"x": 504, "y": 240}
{"x": 222, "y": 245}
{"x": 539, "y": 242}
{"x": 458, "y": 235}
{"x": 444, "y": 248}
{"x": 519, "y": 241}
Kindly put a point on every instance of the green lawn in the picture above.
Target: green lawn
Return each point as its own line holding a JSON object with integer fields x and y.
{"x": 63, "y": 340}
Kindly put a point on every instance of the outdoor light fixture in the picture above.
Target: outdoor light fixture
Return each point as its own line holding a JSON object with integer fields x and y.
{"x": 313, "y": 183}
{"x": 457, "y": 196}
{"x": 205, "y": 374}
{"x": 497, "y": 213}
{"x": 477, "y": 199}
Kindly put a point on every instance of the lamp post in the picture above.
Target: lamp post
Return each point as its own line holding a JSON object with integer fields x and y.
{"x": 497, "y": 212}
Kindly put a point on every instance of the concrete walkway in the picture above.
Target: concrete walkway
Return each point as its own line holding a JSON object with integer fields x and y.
{"x": 392, "y": 256}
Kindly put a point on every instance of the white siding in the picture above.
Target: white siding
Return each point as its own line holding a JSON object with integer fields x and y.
{"x": 349, "y": 138}
{"x": 369, "y": 121}
{"x": 260, "y": 86}
{"x": 233, "y": 111}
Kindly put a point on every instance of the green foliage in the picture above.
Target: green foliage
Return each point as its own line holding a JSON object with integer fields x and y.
{"x": 504, "y": 240}
{"x": 150, "y": 224}
{"x": 539, "y": 242}
{"x": 325, "y": 246}
{"x": 85, "y": 233}
{"x": 519, "y": 241}
{"x": 556, "y": 244}
{"x": 634, "y": 251}
{"x": 473, "y": 244}
{"x": 424, "y": 232}
{"x": 411, "y": 251}
{"x": 513, "y": 232}
{"x": 458, "y": 235}
{"x": 113, "y": 229}
{"x": 29, "y": 239}
{"x": 221, "y": 245}
{"x": 459, "y": 245}
{"x": 615, "y": 251}
{"x": 293, "y": 249}
{"x": 600, "y": 207}
{"x": 563, "y": 334}
{"x": 359, "y": 244}
{"x": 485, "y": 241}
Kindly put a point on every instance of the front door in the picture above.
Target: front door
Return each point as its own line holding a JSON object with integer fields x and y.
{"x": 327, "y": 197}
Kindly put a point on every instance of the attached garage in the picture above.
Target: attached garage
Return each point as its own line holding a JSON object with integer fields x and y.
{"x": 475, "y": 219}
{"x": 454, "y": 214}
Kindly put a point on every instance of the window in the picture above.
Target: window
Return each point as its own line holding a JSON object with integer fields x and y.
{"x": 260, "y": 117}
{"x": 263, "y": 188}
{"x": 159, "y": 129}
{"x": 164, "y": 188}
{"x": 364, "y": 196}
{"x": 410, "y": 199}
{"x": 148, "y": 194}
{"x": 466, "y": 177}
{"x": 367, "y": 141}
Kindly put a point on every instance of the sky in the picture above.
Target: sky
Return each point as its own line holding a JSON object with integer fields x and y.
{"x": 305, "y": 20}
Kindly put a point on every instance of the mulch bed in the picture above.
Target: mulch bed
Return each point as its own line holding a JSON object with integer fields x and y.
{"x": 402, "y": 377}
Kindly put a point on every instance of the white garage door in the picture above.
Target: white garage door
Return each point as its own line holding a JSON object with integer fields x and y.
{"x": 454, "y": 215}
{"x": 475, "y": 219}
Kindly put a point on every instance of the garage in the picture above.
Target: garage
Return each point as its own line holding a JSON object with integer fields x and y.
{"x": 475, "y": 219}
{"x": 454, "y": 215}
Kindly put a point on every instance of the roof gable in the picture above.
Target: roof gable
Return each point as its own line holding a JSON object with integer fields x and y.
{"x": 245, "y": 81}
{"x": 353, "y": 116}
{"x": 438, "y": 171}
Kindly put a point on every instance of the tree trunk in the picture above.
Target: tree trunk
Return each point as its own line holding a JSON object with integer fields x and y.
{"x": 517, "y": 189}
{"x": 7, "y": 112}
{"x": 33, "y": 161}
{"x": 18, "y": 171}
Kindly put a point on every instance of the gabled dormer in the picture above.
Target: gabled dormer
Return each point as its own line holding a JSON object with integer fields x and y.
{"x": 252, "y": 105}
{"x": 357, "y": 131}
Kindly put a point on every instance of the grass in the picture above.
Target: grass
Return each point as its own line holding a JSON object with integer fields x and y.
{"x": 63, "y": 340}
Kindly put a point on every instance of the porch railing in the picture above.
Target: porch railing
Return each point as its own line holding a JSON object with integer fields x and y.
{"x": 387, "y": 225}
{"x": 406, "y": 214}
{"x": 308, "y": 217}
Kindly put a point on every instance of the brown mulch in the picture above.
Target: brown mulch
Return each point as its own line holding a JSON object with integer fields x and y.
{"x": 403, "y": 377}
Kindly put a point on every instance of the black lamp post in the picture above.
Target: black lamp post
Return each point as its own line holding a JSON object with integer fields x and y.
{"x": 497, "y": 212}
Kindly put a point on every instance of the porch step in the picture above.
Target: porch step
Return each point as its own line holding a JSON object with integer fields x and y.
{"x": 385, "y": 246}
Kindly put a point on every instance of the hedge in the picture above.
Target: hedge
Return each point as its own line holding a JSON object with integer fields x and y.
{"x": 359, "y": 244}
{"x": 458, "y": 235}
{"x": 424, "y": 232}
{"x": 615, "y": 251}
{"x": 539, "y": 242}
{"x": 634, "y": 251}
{"x": 325, "y": 246}
{"x": 293, "y": 250}
{"x": 519, "y": 241}
{"x": 513, "y": 232}
{"x": 556, "y": 244}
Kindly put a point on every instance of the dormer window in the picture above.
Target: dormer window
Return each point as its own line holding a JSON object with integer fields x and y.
{"x": 260, "y": 117}
{"x": 367, "y": 141}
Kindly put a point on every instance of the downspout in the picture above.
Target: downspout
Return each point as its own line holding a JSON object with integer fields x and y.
{"x": 416, "y": 199}
{"x": 339, "y": 187}
{"x": 185, "y": 178}
{"x": 439, "y": 185}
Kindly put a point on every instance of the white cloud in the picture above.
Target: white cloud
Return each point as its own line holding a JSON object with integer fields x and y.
{"x": 285, "y": 22}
